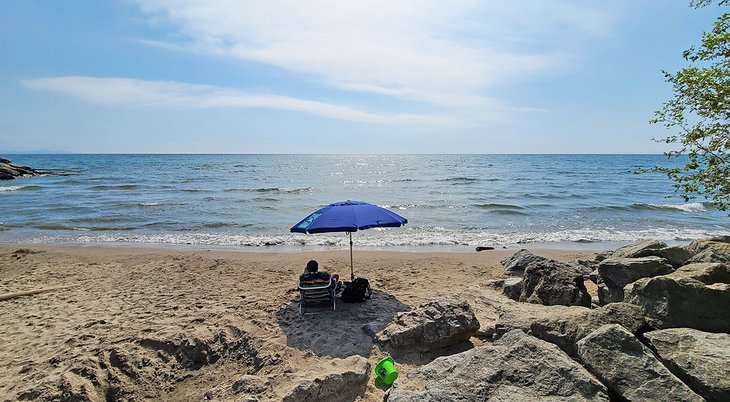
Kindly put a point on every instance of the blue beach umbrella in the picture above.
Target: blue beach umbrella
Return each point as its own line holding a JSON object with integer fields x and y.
{"x": 348, "y": 216}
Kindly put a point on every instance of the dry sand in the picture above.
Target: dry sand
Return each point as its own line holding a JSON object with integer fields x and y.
{"x": 105, "y": 321}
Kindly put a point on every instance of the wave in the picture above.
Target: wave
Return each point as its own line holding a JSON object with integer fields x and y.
{"x": 215, "y": 225}
{"x": 459, "y": 180}
{"x": 498, "y": 206}
{"x": 20, "y": 188}
{"x": 266, "y": 199}
{"x": 392, "y": 237}
{"x": 115, "y": 187}
{"x": 152, "y": 204}
{"x": 692, "y": 207}
{"x": 689, "y": 207}
{"x": 60, "y": 226}
{"x": 272, "y": 190}
{"x": 196, "y": 190}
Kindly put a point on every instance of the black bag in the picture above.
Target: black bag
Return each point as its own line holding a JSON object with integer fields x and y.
{"x": 357, "y": 291}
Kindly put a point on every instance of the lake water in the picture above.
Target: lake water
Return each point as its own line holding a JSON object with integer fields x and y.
{"x": 252, "y": 200}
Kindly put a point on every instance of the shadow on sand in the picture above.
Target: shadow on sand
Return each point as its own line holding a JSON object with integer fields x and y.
{"x": 341, "y": 333}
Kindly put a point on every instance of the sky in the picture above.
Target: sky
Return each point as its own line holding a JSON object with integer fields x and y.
{"x": 292, "y": 76}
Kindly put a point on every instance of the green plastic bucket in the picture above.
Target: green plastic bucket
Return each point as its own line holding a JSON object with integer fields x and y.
{"x": 385, "y": 369}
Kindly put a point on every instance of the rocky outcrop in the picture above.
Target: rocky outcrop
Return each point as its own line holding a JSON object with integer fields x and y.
{"x": 10, "y": 170}
{"x": 719, "y": 243}
{"x": 519, "y": 261}
{"x": 518, "y": 367}
{"x": 672, "y": 303}
{"x": 640, "y": 248}
{"x": 628, "y": 368}
{"x": 700, "y": 359}
{"x": 566, "y": 331}
{"x": 515, "y": 315}
{"x": 615, "y": 273}
{"x": 429, "y": 326}
{"x": 675, "y": 255}
{"x": 552, "y": 283}
{"x": 707, "y": 273}
{"x": 710, "y": 255}
{"x": 332, "y": 381}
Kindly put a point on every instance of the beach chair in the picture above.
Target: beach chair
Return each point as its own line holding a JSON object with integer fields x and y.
{"x": 316, "y": 288}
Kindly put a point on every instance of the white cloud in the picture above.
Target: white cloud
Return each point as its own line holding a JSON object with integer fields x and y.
{"x": 437, "y": 50}
{"x": 447, "y": 57}
{"x": 170, "y": 94}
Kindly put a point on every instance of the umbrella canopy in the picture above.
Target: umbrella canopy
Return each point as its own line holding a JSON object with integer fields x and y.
{"x": 348, "y": 216}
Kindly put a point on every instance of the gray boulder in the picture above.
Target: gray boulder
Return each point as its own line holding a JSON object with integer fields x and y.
{"x": 518, "y": 262}
{"x": 716, "y": 243}
{"x": 700, "y": 359}
{"x": 521, "y": 316}
{"x": 675, "y": 255}
{"x": 672, "y": 303}
{"x": 629, "y": 368}
{"x": 641, "y": 248}
{"x": 710, "y": 255}
{"x": 552, "y": 283}
{"x": 429, "y": 326}
{"x": 564, "y": 331}
{"x": 707, "y": 273}
{"x": 328, "y": 381}
{"x": 518, "y": 367}
{"x": 615, "y": 273}
{"x": 512, "y": 288}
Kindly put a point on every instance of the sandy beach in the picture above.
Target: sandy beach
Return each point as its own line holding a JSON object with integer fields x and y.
{"x": 103, "y": 322}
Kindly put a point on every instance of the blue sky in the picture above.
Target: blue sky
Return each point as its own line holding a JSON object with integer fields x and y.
{"x": 412, "y": 76}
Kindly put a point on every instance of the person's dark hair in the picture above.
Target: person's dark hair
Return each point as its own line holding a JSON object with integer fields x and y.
{"x": 312, "y": 266}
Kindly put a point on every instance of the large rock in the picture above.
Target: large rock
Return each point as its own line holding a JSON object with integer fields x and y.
{"x": 640, "y": 248}
{"x": 707, "y": 273}
{"x": 10, "y": 170}
{"x": 519, "y": 261}
{"x": 429, "y": 326}
{"x": 710, "y": 255}
{"x": 521, "y": 316}
{"x": 332, "y": 381}
{"x": 554, "y": 283}
{"x": 673, "y": 303}
{"x": 629, "y": 368}
{"x": 518, "y": 367}
{"x": 564, "y": 331}
{"x": 700, "y": 359}
{"x": 498, "y": 315}
{"x": 716, "y": 243}
{"x": 615, "y": 273}
{"x": 675, "y": 255}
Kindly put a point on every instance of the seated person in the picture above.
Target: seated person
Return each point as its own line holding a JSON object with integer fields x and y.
{"x": 312, "y": 276}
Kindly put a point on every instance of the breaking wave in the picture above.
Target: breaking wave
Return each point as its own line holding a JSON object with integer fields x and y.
{"x": 19, "y": 188}
{"x": 386, "y": 237}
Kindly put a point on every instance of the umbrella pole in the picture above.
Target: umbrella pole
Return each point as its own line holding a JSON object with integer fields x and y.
{"x": 352, "y": 270}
